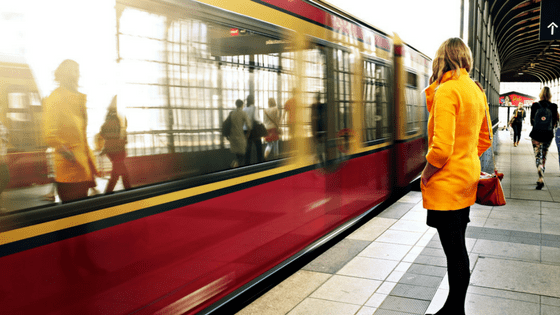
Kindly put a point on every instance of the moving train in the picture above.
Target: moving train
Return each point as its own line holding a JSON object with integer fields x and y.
{"x": 193, "y": 232}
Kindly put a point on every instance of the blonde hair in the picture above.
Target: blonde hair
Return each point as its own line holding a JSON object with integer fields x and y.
{"x": 452, "y": 55}
{"x": 66, "y": 74}
{"x": 63, "y": 71}
{"x": 545, "y": 94}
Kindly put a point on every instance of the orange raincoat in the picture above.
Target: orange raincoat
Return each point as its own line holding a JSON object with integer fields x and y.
{"x": 458, "y": 134}
{"x": 64, "y": 124}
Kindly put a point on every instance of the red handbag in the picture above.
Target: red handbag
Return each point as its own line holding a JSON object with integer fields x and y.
{"x": 489, "y": 191}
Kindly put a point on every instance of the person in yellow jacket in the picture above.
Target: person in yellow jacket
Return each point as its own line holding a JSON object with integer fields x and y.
{"x": 458, "y": 134}
{"x": 65, "y": 124}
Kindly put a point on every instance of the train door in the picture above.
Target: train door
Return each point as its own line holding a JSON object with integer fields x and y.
{"x": 331, "y": 115}
{"x": 335, "y": 120}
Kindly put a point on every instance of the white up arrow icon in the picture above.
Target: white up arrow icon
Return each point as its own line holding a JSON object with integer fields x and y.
{"x": 552, "y": 26}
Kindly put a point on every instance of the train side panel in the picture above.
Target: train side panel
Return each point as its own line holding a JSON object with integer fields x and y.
{"x": 411, "y": 69}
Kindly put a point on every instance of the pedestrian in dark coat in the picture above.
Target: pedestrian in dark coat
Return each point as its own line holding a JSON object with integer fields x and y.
{"x": 543, "y": 133}
{"x": 113, "y": 132}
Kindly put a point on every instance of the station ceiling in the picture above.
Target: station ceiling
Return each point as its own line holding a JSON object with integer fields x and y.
{"x": 516, "y": 26}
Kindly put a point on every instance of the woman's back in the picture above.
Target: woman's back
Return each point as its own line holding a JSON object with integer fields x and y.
{"x": 271, "y": 117}
{"x": 457, "y": 116}
{"x": 543, "y": 134}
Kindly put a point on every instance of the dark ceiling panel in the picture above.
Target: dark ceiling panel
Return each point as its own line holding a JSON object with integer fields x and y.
{"x": 523, "y": 57}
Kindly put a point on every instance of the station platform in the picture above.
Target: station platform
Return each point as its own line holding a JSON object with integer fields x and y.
{"x": 394, "y": 264}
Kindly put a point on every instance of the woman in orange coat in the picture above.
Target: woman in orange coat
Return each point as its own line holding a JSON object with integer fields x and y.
{"x": 65, "y": 123}
{"x": 458, "y": 134}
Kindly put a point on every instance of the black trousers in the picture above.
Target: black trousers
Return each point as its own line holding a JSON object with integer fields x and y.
{"x": 258, "y": 145}
{"x": 516, "y": 132}
{"x": 451, "y": 227}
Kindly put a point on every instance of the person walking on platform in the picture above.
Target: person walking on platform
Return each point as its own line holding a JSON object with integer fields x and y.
{"x": 251, "y": 111}
{"x": 517, "y": 123}
{"x": 458, "y": 134}
{"x": 271, "y": 117}
{"x": 544, "y": 117}
{"x": 113, "y": 132}
{"x": 289, "y": 116}
{"x": 237, "y": 138}
{"x": 65, "y": 124}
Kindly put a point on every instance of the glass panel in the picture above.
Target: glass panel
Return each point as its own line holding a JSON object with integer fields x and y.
{"x": 342, "y": 89}
{"x": 376, "y": 102}
{"x": 414, "y": 108}
{"x": 180, "y": 81}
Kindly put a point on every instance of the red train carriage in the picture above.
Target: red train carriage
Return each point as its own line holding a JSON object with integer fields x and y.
{"x": 411, "y": 121}
{"x": 193, "y": 232}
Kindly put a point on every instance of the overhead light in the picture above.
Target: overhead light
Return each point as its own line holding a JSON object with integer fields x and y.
{"x": 555, "y": 45}
{"x": 520, "y": 73}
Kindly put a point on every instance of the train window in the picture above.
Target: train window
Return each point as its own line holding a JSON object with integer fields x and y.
{"x": 22, "y": 117}
{"x": 180, "y": 78}
{"x": 414, "y": 108}
{"x": 376, "y": 101}
{"x": 177, "y": 79}
{"x": 313, "y": 80}
{"x": 315, "y": 83}
{"x": 17, "y": 103}
{"x": 342, "y": 89}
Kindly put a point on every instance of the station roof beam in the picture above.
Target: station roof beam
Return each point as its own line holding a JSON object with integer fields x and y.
{"x": 523, "y": 56}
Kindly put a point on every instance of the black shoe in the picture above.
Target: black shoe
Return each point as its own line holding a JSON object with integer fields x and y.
{"x": 540, "y": 185}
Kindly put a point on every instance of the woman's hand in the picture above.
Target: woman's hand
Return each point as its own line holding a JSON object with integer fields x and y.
{"x": 67, "y": 154}
{"x": 428, "y": 172}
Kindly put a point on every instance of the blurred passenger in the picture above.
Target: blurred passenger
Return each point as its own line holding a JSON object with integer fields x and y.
{"x": 458, "y": 134}
{"x": 544, "y": 117}
{"x": 271, "y": 118}
{"x": 319, "y": 124}
{"x": 251, "y": 111}
{"x": 289, "y": 111}
{"x": 517, "y": 123}
{"x": 238, "y": 138}
{"x": 113, "y": 131}
{"x": 65, "y": 124}
{"x": 4, "y": 172}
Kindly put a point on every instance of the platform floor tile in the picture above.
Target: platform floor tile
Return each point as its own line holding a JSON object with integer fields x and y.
{"x": 312, "y": 306}
{"x": 518, "y": 276}
{"x": 287, "y": 295}
{"x": 337, "y": 256}
{"x": 347, "y": 289}
{"x": 369, "y": 268}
